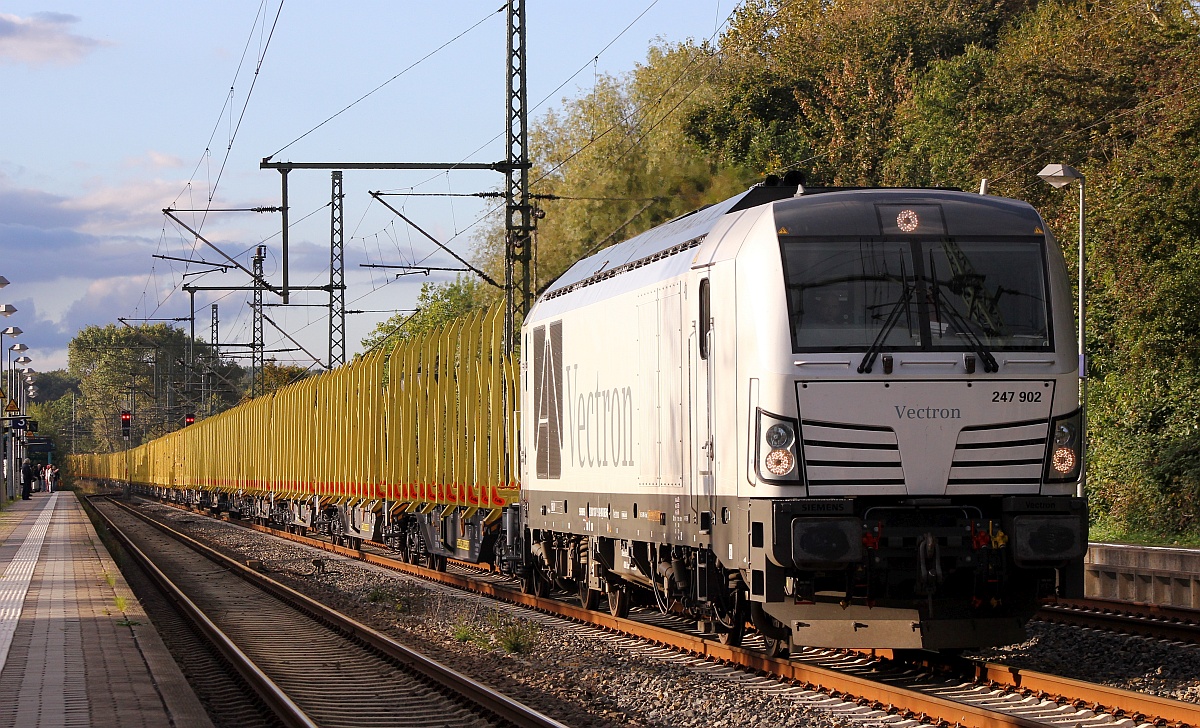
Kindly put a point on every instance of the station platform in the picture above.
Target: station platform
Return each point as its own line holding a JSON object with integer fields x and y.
{"x": 76, "y": 648}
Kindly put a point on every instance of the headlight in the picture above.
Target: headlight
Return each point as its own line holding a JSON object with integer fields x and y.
{"x": 1063, "y": 460}
{"x": 1065, "y": 455}
{"x": 826, "y": 541}
{"x": 1048, "y": 538}
{"x": 780, "y": 462}
{"x": 779, "y": 436}
{"x": 776, "y": 448}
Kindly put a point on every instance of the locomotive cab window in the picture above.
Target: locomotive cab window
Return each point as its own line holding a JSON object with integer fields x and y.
{"x": 917, "y": 294}
{"x": 705, "y": 314}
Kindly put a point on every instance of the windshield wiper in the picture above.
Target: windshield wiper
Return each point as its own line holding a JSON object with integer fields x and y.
{"x": 893, "y": 318}
{"x": 957, "y": 320}
{"x": 989, "y": 361}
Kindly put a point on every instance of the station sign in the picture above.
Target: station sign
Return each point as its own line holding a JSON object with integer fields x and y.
{"x": 39, "y": 444}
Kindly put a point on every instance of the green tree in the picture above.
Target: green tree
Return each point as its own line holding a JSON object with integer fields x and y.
{"x": 276, "y": 376}
{"x": 816, "y": 85}
{"x": 143, "y": 369}
{"x": 54, "y": 384}
{"x": 615, "y": 162}
{"x": 437, "y": 304}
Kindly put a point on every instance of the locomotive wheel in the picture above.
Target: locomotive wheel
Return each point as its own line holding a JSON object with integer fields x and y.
{"x": 733, "y": 636}
{"x": 775, "y": 647}
{"x": 589, "y": 598}
{"x": 731, "y": 624}
{"x": 618, "y": 601}
{"x": 437, "y": 563}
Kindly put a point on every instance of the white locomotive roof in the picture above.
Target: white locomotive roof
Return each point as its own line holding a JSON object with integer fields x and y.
{"x": 680, "y": 231}
{"x": 626, "y": 266}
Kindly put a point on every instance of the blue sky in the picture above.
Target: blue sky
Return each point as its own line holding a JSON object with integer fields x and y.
{"x": 113, "y": 111}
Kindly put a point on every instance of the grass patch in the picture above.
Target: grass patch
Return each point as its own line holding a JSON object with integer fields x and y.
{"x": 127, "y": 623}
{"x": 464, "y": 631}
{"x": 1109, "y": 533}
{"x": 121, "y": 602}
{"x": 377, "y": 595}
{"x": 517, "y": 637}
{"x": 110, "y": 579}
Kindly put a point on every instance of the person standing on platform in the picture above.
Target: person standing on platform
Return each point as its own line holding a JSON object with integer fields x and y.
{"x": 51, "y": 477}
{"x": 26, "y": 479}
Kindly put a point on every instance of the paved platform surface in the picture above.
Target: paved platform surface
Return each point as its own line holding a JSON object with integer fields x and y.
{"x": 76, "y": 649}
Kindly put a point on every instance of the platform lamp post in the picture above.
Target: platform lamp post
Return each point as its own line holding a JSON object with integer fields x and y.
{"x": 14, "y": 332}
{"x": 1059, "y": 176}
{"x": 10, "y": 470}
{"x": 14, "y": 384}
{"x": 19, "y": 348}
{"x": 29, "y": 391}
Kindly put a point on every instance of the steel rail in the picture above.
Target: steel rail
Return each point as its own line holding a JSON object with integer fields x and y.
{"x": 500, "y": 705}
{"x": 1100, "y": 698}
{"x": 1146, "y": 609}
{"x": 275, "y": 698}
{"x": 1150, "y": 620}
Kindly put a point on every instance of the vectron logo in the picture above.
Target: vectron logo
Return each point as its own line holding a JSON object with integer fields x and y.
{"x": 593, "y": 427}
{"x": 548, "y": 399}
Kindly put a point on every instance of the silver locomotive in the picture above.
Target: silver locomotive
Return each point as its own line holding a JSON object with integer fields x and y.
{"x": 849, "y": 417}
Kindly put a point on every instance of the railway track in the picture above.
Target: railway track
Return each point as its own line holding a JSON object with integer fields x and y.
{"x": 926, "y": 688}
{"x": 309, "y": 664}
{"x": 1148, "y": 620}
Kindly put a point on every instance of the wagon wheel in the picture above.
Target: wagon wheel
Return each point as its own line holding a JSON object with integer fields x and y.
{"x": 535, "y": 583}
{"x": 589, "y": 598}
{"x": 336, "y": 530}
{"x": 618, "y": 600}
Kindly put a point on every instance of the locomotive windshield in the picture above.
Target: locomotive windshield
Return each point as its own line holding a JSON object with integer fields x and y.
{"x": 917, "y": 295}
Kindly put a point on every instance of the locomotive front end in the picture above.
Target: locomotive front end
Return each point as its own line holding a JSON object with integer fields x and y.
{"x": 912, "y": 467}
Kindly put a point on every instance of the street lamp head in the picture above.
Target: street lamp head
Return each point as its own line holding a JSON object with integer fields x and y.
{"x": 1060, "y": 175}
{"x": 22, "y": 360}
{"x": 3, "y": 281}
{"x": 19, "y": 347}
{"x": 7, "y": 309}
{"x": 11, "y": 331}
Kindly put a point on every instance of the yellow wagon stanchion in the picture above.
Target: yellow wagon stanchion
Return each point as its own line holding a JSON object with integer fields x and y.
{"x": 428, "y": 428}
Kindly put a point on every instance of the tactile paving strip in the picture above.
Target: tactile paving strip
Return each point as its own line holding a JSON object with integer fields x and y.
{"x": 15, "y": 582}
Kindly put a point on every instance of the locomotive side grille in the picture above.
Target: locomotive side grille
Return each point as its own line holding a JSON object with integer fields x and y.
{"x": 843, "y": 454}
{"x": 1008, "y": 454}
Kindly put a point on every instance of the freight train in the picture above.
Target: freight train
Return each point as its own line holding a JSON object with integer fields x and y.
{"x": 846, "y": 417}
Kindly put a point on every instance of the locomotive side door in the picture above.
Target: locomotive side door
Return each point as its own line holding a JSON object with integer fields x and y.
{"x": 702, "y": 430}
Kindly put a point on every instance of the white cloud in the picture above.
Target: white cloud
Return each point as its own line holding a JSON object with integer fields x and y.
{"x": 153, "y": 160}
{"x": 128, "y": 207}
{"x": 42, "y": 39}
